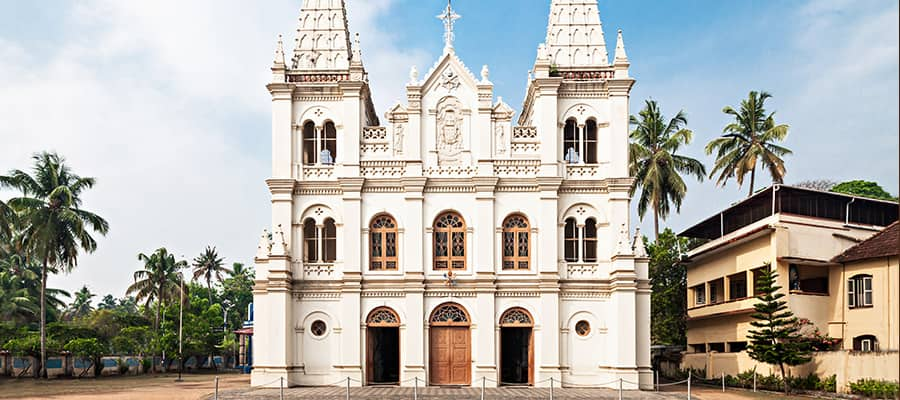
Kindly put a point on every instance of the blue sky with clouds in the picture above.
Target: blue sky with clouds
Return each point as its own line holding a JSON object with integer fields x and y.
{"x": 164, "y": 102}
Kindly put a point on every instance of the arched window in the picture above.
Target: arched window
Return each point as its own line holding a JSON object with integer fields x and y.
{"x": 571, "y": 240}
{"x": 382, "y": 317}
{"x": 310, "y": 241}
{"x": 590, "y": 240}
{"x": 383, "y": 243}
{"x": 516, "y": 317}
{"x": 329, "y": 144}
{"x": 859, "y": 291}
{"x": 590, "y": 142}
{"x": 309, "y": 143}
{"x": 329, "y": 247}
{"x": 449, "y": 314}
{"x": 570, "y": 142}
{"x": 449, "y": 242}
{"x": 865, "y": 343}
{"x": 516, "y": 244}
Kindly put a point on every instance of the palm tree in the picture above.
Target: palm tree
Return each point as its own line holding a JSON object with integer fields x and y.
{"x": 655, "y": 163}
{"x": 52, "y": 221}
{"x": 208, "y": 265}
{"x": 747, "y": 140}
{"x": 81, "y": 305}
{"x": 15, "y": 302}
{"x": 7, "y": 218}
{"x": 159, "y": 281}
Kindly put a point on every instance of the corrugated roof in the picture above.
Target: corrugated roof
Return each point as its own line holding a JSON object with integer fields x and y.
{"x": 882, "y": 244}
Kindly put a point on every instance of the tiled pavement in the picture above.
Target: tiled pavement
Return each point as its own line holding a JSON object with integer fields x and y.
{"x": 435, "y": 393}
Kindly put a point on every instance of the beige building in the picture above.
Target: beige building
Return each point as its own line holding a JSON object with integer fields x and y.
{"x": 799, "y": 232}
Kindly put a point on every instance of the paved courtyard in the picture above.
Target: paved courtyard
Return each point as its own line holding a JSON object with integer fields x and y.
{"x": 433, "y": 393}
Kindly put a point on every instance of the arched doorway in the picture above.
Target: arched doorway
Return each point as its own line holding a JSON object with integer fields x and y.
{"x": 516, "y": 347}
{"x": 383, "y": 347}
{"x": 450, "y": 355}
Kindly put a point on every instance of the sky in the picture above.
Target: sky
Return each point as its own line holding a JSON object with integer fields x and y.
{"x": 164, "y": 102}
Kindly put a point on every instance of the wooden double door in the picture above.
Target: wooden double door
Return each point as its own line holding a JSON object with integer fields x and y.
{"x": 450, "y": 357}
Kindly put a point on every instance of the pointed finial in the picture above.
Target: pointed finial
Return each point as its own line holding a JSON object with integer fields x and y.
{"x": 262, "y": 250}
{"x": 624, "y": 245}
{"x": 542, "y": 52}
{"x": 638, "y": 244}
{"x": 279, "y": 52}
{"x": 357, "y": 49}
{"x": 449, "y": 17}
{"x": 413, "y": 75}
{"x": 279, "y": 247}
{"x": 621, "y": 57}
{"x": 485, "y": 73}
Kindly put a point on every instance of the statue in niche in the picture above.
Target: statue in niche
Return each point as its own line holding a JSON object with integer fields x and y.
{"x": 398, "y": 138}
{"x": 500, "y": 138}
{"x": 449, "y": 132}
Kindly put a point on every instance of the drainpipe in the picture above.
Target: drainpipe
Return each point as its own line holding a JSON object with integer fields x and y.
{"x": 721, "y": 225}
{"x": 847, "y": 213}
{"x": 774, "y": 189}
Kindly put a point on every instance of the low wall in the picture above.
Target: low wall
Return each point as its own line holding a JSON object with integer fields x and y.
{"x": 848, "y": 366}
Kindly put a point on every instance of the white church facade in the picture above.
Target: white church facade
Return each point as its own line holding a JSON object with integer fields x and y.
{"x": 447, "y": 242}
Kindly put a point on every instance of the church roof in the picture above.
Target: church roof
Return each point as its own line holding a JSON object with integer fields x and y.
{"x": 323, "y": 38}
{"x": 575, "y": 34}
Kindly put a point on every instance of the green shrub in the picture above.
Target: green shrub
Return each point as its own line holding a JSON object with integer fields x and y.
{"x": 122, "y": 366}
{"x": 146, "y": 364}
{"x": 875, "y": 388}
{"x": 829, "y": 384}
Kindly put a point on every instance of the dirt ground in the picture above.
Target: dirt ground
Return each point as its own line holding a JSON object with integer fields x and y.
{"x": 153, "y": 387}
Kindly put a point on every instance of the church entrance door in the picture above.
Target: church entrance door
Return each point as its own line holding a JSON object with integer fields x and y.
{"x": 450, "y": 355}
{"x": 383, "y": 347}
{"x": 516, "y": 348}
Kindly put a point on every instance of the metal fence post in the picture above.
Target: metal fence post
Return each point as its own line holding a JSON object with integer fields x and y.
{"x": 689, "y": 384}
{"x": 656, "y": 378}
{"x": 754, "y": 379}
{"x": 216, "y": 395}
{"x": 281, "y": 388}
{"x": 551, "y": 388}
{"x": 723, "y": 382}
{"x": 348, "y": 388}
{"x": 483, "y": 382}
{"x": 620, "y": 388}
{"x": 416, "y": 388}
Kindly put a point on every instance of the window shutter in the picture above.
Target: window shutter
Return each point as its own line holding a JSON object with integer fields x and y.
{"x": 851, "y": 293}
{"x": 867, "y": 291}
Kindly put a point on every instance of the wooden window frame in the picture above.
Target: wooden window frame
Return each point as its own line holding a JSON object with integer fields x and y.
{"x": 309, "y": 143}
{"x": 589, "y": 242}
{"x": 516, "y": 232}
{"x": 449, "y": 262}
{"x": 571, "y": 139}
{"x": 384, "y": 261}
{"x": 567, "y": 240}
{"x": 330, "y": 239}
{"x": 310, "y": 241}
{"x": 590, "y": 140}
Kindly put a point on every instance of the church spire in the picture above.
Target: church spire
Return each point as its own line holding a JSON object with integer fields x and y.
{"x": 621, "y": 57}
{"x": 323, "y": 40}
{"x": 575, "y": 34}
{"x": 449, "y": 17}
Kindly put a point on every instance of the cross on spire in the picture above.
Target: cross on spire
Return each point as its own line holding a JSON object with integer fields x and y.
{"x": 449, "y": 17}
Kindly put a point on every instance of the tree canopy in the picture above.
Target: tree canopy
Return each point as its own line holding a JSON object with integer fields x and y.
{"x": 863, "y": 188}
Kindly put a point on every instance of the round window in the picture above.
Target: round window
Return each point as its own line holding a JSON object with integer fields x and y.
{"x": 582, "y": 328}
{"x": 318, "y": 328}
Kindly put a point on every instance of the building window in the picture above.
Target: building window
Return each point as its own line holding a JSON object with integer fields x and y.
{"x": 698, "y": 347}
{"x": 516, "y": 243}
{"x": 699, "y": 295}
{"x": 737, "y": 286}
{"x": 859, "y": 291}
{"x": 865, "y": 343}
{"x": 571, "y": 240}
{"x": 737, "y": 347}
{"x": 318, "y": 328}
{"x": 808, "y": 279}
{"x": 329, "y": 248}
{"x": 717, "y": 291}
{"x": 717, "y": 347}
{"x": 583, "y": 328}
{"x": 319, "y": 143}
{"x": 571, "y": 140}
{"x": 590, "y": 240}
{"x": 757, "y": 274}
{"x": 310, "y": 150}
{"x": 449, "y": 242}
{"x": 383, "y": 243}
{"x": 590, "y": 142}
{"x": 310, "y": 241}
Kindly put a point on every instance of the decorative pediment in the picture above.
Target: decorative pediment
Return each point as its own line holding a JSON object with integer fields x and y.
{"x": 397, "y": 113}
{"x": 502, "y": 111}
{"x": 449, "y": 73}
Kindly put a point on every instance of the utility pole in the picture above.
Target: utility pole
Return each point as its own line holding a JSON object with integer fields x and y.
{"x": 180, "y": 328}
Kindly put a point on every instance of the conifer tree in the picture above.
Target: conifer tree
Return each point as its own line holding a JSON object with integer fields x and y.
{"x": 776, "y": 339}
